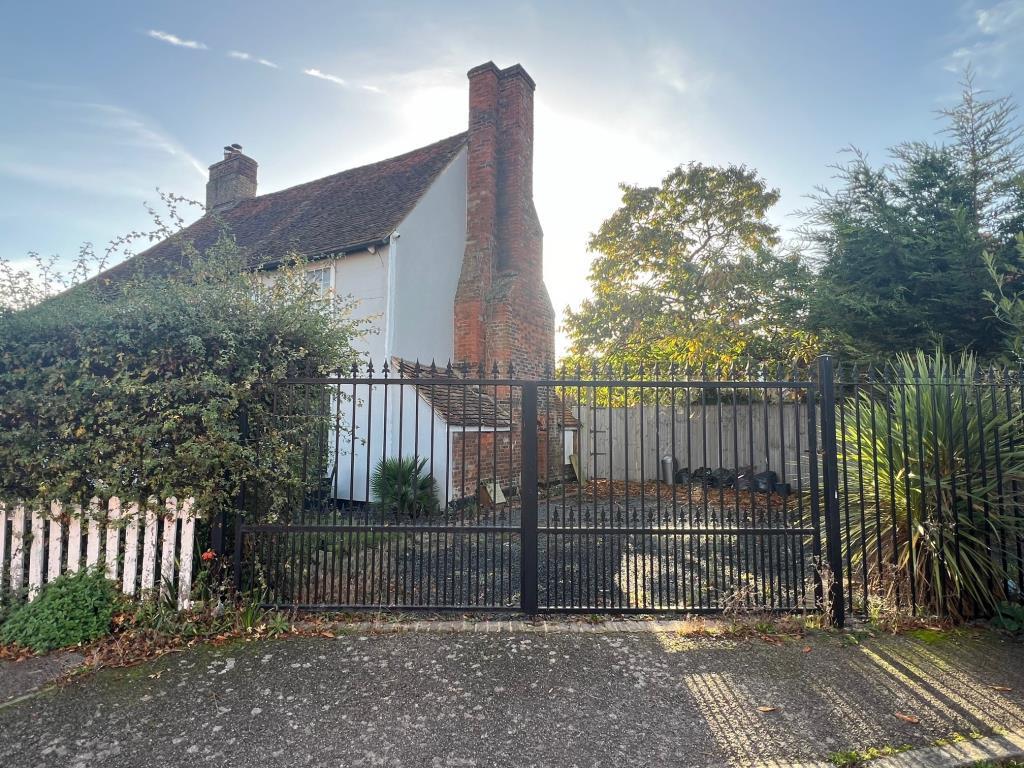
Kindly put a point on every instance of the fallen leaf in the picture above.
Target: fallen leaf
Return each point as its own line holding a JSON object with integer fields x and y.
{"x": 807, "y": 649}
{"x": 908, "y": 718}
{"x": 766, "y": 709}
{"x": 1001, "y": 688}
{"x": 156, "y": 675}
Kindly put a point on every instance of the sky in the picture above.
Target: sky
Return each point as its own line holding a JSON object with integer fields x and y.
{"x": 104, "y": 103}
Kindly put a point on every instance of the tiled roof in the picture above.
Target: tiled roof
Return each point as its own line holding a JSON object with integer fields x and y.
{"x": 462, "y": 405}
{"x": 354, "y": 208}
{"x": 479, "y": 405}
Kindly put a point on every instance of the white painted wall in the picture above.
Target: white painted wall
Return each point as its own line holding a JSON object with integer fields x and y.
{"x": 415, "y": 431}
{"x": 428, "y": 260}
{"x": 364, "y": 277}
{"x": 406, "y": 290}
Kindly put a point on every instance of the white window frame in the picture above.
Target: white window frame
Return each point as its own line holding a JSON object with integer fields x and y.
{"x": 330, "y": 270}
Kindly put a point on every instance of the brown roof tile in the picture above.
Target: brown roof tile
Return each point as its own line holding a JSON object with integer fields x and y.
{"x": 354, "y": 208}
{"x": 460, "y": 405}
{"x": 473, "y": 405}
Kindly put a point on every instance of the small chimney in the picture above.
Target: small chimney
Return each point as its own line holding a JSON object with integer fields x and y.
{"x": 232, "y": 180}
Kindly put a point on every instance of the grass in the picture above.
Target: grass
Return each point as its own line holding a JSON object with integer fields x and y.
{"x": 854, "y": 758}
{"x": 857, "y": 758}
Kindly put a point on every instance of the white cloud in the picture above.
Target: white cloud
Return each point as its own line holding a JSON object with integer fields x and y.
{"x": 992, "y": 41}
{"x": 324, "y": 76}
{"x": 243, "y": 56}
{"x": 138, "y": 132}
{"x": 104, "y": 150}
{"x": 167, "y": 37}
{"x": 1003, "y": 15}
{"x": 321, "y": 75}
{"x": 672, "y": 68}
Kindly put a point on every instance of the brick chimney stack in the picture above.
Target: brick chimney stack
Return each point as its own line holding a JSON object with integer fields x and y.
{"x": 232, "y": 180}
{"x": 502, "y": 310}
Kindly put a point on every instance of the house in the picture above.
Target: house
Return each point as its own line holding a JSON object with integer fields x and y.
{"x": 442, "y": 249}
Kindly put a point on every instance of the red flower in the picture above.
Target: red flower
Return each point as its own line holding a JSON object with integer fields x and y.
{"x": 208, "y": 555}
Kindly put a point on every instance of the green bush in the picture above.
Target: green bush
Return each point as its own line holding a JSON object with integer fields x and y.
{"x": 401, "y": 487}
{"x": 73, "y": 608}
{"x": 138, "y": 386}
{"x": 1009, "y": 617}
{"x": 947, "y": 433}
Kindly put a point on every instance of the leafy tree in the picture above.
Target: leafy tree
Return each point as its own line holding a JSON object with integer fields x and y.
{"x": 144, "y": 386}
{"x": 690, "y": 273}
{"x": 1007, "y": 301}
{"x": 901, "y": 246}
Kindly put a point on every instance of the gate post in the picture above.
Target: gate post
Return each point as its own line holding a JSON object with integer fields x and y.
{"x": 830, "y": 472}
{"x": 528, "y": 494}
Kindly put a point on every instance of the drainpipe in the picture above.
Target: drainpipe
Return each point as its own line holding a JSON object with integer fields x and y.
{"x": 389, "y": 329}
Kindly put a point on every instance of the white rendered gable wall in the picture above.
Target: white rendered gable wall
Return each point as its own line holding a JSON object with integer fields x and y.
{"x": 407, "y": 291}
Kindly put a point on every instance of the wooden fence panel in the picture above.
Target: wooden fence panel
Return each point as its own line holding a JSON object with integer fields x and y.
{"x": 167, "y": 554}
{"x": 92, "y": 547}
{"x": 188, "y": 528}
{"x": 56, "y": 541}
{"x": 131, "y": 550}
{"x": 627, "y": 443}
{"x": 17, "y": 549}
{"x": 3, "y": 545}
{"x": 35, "y": 547}
{"x": 75, "y": 540}
{"x": 111, "y": 552}
{"x": 35, "y": 560}
{"x": 149, "y": 548}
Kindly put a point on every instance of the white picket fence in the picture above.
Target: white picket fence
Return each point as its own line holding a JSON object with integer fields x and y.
{"x": 132, "y": 544}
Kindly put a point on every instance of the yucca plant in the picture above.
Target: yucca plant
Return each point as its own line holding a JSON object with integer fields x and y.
{"x": 939, "y": 484}
{"x": 403, "y": 488}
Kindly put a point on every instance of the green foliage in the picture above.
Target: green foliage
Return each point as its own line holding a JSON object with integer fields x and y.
{"x": 938, "y": 511}
{"x": 138, "y": 386}
{"x": 901, "y": 246}
{"x": 160, "y": 620}
{"x": 8, "y": 601}
{"x": 856, "y": 758}
{"x": 403, "y": 488}
{"x": 1009, "y": 617}
{"x": 72, "y": 609}
{"x": 689, "y": 272}
{"x": 1007, "y": 300}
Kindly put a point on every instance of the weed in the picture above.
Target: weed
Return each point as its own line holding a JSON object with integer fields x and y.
{"x": 72, "y": 609}
{"x": 855, "y": 758}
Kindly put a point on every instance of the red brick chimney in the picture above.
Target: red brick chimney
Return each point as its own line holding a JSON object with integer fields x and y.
{"x": 502, "y": 310}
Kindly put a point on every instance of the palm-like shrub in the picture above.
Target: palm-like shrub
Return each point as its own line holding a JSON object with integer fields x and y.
{"x": 938, "y": 486}
{"x": 402, "y": 487}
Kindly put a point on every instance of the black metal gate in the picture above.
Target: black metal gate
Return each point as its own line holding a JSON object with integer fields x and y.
{"x": 446, "y": 489}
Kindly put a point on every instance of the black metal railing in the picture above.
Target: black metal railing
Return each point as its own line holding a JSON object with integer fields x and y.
{"x": 930, "y": 473}
{"x": 619, "y": 491}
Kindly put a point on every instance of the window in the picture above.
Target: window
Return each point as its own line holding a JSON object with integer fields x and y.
{"x": 321, "y": 279}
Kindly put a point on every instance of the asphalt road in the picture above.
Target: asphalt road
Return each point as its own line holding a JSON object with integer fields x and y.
{"x": 562, "y": 697}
